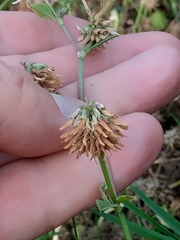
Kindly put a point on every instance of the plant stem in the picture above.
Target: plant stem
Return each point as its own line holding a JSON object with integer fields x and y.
{"x": 138, "y": 18}
{"x": 134, "y": 5}
{"x": 80, "y": 77}
{"x": 107, "y": 7}
{"x": 59, "y": 20}
{"x": 108, "y": 177}
{"x": 112, "y": 192}
{"x": 61, "y": 23}
{"x": 75, "y": 229}
{"x": 123, "y": 222}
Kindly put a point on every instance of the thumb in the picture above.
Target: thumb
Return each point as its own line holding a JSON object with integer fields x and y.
{"x": 29, "y": 115}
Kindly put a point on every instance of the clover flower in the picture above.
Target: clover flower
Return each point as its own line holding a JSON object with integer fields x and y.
{"x": 97, "y": 31}
{"x": 93, "y": 130}
{"x": 44, "y": 75}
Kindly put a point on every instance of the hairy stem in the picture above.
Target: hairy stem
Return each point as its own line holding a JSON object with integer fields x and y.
{"x": 61, "y": 23}
{"x": 113, "y": 195}
{"x": 124, "y": 223}
{"x": 108, "y": 177}
{"x": 81, "y": 57}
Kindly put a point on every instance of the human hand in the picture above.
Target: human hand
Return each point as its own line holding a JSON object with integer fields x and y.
{"x": 41, "y": 185}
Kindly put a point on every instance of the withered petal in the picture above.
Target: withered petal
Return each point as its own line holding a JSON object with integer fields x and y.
{"x": 99, "y": 129}
{"x": 67, "y": 124}
{"x": 104, "y": 124}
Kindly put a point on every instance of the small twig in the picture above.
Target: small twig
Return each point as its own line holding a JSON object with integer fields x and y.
{"x": 105, "y": 9}
{"x": 165, "y": 160}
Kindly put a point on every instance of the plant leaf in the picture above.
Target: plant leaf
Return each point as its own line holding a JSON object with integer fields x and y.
{"x": 5, "y": 4}
{"x": 123, "y": 198}
{"x": 148, "y": 218}
{"x": 101, "y": 42}
{"x": 105, "y": 205}
{"x": 103, "y": 188}
{"x": 43, "y": 10}
{"x": 165, "y": 216}
{"x": 134, "y": 228}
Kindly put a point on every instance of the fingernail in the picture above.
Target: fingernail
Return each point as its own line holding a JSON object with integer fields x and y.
{"x": 67, "y": 105}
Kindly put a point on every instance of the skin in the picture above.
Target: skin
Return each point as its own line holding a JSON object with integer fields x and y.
{"x": 41, "y": 185}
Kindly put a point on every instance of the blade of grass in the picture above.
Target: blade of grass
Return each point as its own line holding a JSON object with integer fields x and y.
{"x": 176, "y": 119}
{"x": 134, "y": 228}
{"x": 5, "y": 4}
{"x": 166, "y": 217}
{"x": 149, "y": 219}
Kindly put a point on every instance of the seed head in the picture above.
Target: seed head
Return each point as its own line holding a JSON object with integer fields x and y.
{"x": 96, "y": 32}
{"x": 44, "y": 75}
{"x": 93, "y": 130}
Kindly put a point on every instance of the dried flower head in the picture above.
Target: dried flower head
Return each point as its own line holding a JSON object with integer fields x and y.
{"x": 92, "y": 129}
{"x": 97, "y": 31}
{"x": 44, "y": 75}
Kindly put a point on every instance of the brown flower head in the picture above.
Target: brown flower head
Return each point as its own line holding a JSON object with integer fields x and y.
{"x": 97, "y": 31}
{"x": 44, "y": 75}
{"x": 93, "y": 129}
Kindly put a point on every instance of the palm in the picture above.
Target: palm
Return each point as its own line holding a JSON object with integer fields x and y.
{"x": 44, "y": 186}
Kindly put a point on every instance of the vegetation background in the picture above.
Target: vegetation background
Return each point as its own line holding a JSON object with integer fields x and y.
{"x": 162, "y": 180}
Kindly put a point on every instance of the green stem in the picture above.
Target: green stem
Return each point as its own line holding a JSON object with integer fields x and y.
{"x": 108, "y": 177}
{"x": 123, "y": 222}
{"x": 134, "y": 5}
{"x": 145, "y": 14}
{"x": 75, "y": 229}
{"x": 80, "y": 77}
{"x": 112, "y": 192}
{"x": 138, "y": 18}
{"x": 61, "y": 23}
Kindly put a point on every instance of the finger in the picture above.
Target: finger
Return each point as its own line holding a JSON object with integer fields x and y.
{"x": 65, "y": 61}
{"x": 46, "y": 192}
{"x": 6, "y": 158}
{"x": 25, "y": 33}
{"x": 137, "y": 90}
{"x": 144, "y": 83}
{"x": 30, "y": 119}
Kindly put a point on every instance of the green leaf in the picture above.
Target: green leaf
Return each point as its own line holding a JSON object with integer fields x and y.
{"x": 105, "y": 205}
{"x": 134, "y": 228}
{"x": 123, "y": 198}
{"x": 47, "y": 236}
{"x": 5, "y": 4}
{"x": 165, "y": 216}
{"x": 43, "y": 10}
{"x": 103, "y": 188}
{"x": 100, "y": 43}
{"x": 149, "y": 219}
{"x": 57, "y": 7}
